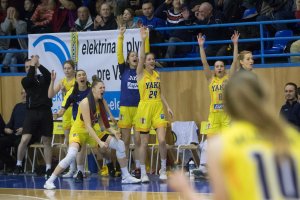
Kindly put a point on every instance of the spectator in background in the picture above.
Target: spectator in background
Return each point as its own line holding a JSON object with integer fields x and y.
{"x": 84, "y": 21}
{"x": 172, "y": 12}
{"x": 148, "y": 18}
{"x": 42, "y": 17}
{"x": 128, "y": 20}
{"x": 276, "y": 10}
{"x": 232, "y": 9}
{"x": 12, "y": 25}
{"x": 29, "y": 8}
{"x": 105, "y": 20}
{"x": 3, "y": 7}
{"x": 207, "y": 15}
{"x": 151, "y": 22}
{"x": 3, "y": 43}
{"x": 13, "y": 132}
{"x": 291, "y": 109}
{"x": 112, "y": 4}
{"x": 64, "y": 15}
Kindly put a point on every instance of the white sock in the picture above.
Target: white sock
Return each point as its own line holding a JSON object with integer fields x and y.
{"x": 137, "y": 164}
{"x": 125, "y": 172}
{"x": 52, "y": 178}
{"x": 19, "y": 162}
{"x": 48, "y": 166}
{"x": 80, "y": 168}
{"x": 143, "y": 170}
{"x": 203, "y": 154}
{"x": 163, "y": 163}
{"x": 72, "y": 166}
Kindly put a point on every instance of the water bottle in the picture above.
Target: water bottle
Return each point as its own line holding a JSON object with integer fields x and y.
{"x": 192, "y": 166}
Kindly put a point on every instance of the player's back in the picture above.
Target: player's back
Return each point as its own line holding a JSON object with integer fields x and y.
{"x": 251, "y": 168}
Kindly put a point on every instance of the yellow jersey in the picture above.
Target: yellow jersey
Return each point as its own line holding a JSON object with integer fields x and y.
{"x": 216, "y": 88}
{"x": 251, "y": 169}
{"x": 67, "y": 84}
{"x": 149, "y": 86}
{"x": 79, "y": 126}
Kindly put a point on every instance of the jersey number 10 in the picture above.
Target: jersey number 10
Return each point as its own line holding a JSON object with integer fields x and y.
{"x": 286, "y": 176}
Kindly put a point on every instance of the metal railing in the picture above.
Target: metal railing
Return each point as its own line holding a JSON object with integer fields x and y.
{"x": 261, "y": 40}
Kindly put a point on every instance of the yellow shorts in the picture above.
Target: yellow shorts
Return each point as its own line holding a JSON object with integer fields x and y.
{"x": 81, "y": 136}
{"x": 126, "y": 117}
{"x": 67, "y": 119}
{"x": 150, "y": 114}
{"x": 217, "y": 121}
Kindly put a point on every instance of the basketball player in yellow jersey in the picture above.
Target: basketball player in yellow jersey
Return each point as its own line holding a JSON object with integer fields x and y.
{"x": 150, "y": 111}
{"x": 217, "y": 80}
{"x": 84, "y": 129}
{"x": 64, "y": 85}
{"x": 257, "y": 157}
{"x": 217, "y": 118}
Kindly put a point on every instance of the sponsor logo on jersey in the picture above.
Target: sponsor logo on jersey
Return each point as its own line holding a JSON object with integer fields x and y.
{"x": 218, "y": 106}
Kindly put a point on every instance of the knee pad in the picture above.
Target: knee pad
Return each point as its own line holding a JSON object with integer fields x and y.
{"x": 119, "y": 146}
{"x": 70, "y": 157}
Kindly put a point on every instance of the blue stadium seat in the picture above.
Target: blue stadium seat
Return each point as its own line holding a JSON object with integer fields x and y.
{"x": 279, "y": 45}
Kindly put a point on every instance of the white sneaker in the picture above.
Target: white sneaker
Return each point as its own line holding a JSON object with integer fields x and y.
{"x": 130, "y": 179}
{"x": 69, "y": 174}
{"x": 49, "y": 185}
{"x": 145, "y": 178}
{"x": 163, "y": 174}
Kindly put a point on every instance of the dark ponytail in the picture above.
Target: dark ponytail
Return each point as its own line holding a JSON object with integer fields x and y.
{"x": 100, "y": 103}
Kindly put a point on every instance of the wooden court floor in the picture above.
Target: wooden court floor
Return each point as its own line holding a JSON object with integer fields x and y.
{"x": 27, "y": 194}
{"x": 27, "y": 187}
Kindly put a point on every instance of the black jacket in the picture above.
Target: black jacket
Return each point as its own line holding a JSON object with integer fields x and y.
{"x": 291, "y": 112}
{"x": 36, "y": 87}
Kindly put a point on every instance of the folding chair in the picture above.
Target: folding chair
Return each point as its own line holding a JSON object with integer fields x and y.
{"x": 89, "y": 149}
{"x": 151, "y": 146}
{"x": 37, "y": 146}
{"x": 57, "y": 141}
{"x": 186, "y": 138}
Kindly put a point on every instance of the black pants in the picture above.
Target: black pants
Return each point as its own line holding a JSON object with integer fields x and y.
{"x": 6, "y": 142}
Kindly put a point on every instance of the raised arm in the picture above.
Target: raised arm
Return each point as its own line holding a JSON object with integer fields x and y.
{"x": 85, "y": 110}
{"x": 207, "y": 72}
{"x": 120, "y": 55}
{"x": 234, "y": 64}
{"x": 30, "y": 80}
{"x": 140, "y": 67}
{"x": 52, "y": 91}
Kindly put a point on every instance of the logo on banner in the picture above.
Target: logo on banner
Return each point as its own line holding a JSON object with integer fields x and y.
{"x": 54, "y": 45}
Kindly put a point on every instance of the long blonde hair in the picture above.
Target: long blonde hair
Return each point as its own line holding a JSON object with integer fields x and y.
{"x": 246, "y": 99}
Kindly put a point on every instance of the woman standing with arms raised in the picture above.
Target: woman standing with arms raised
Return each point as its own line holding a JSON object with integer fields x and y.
{"x": 150, "y": 111}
